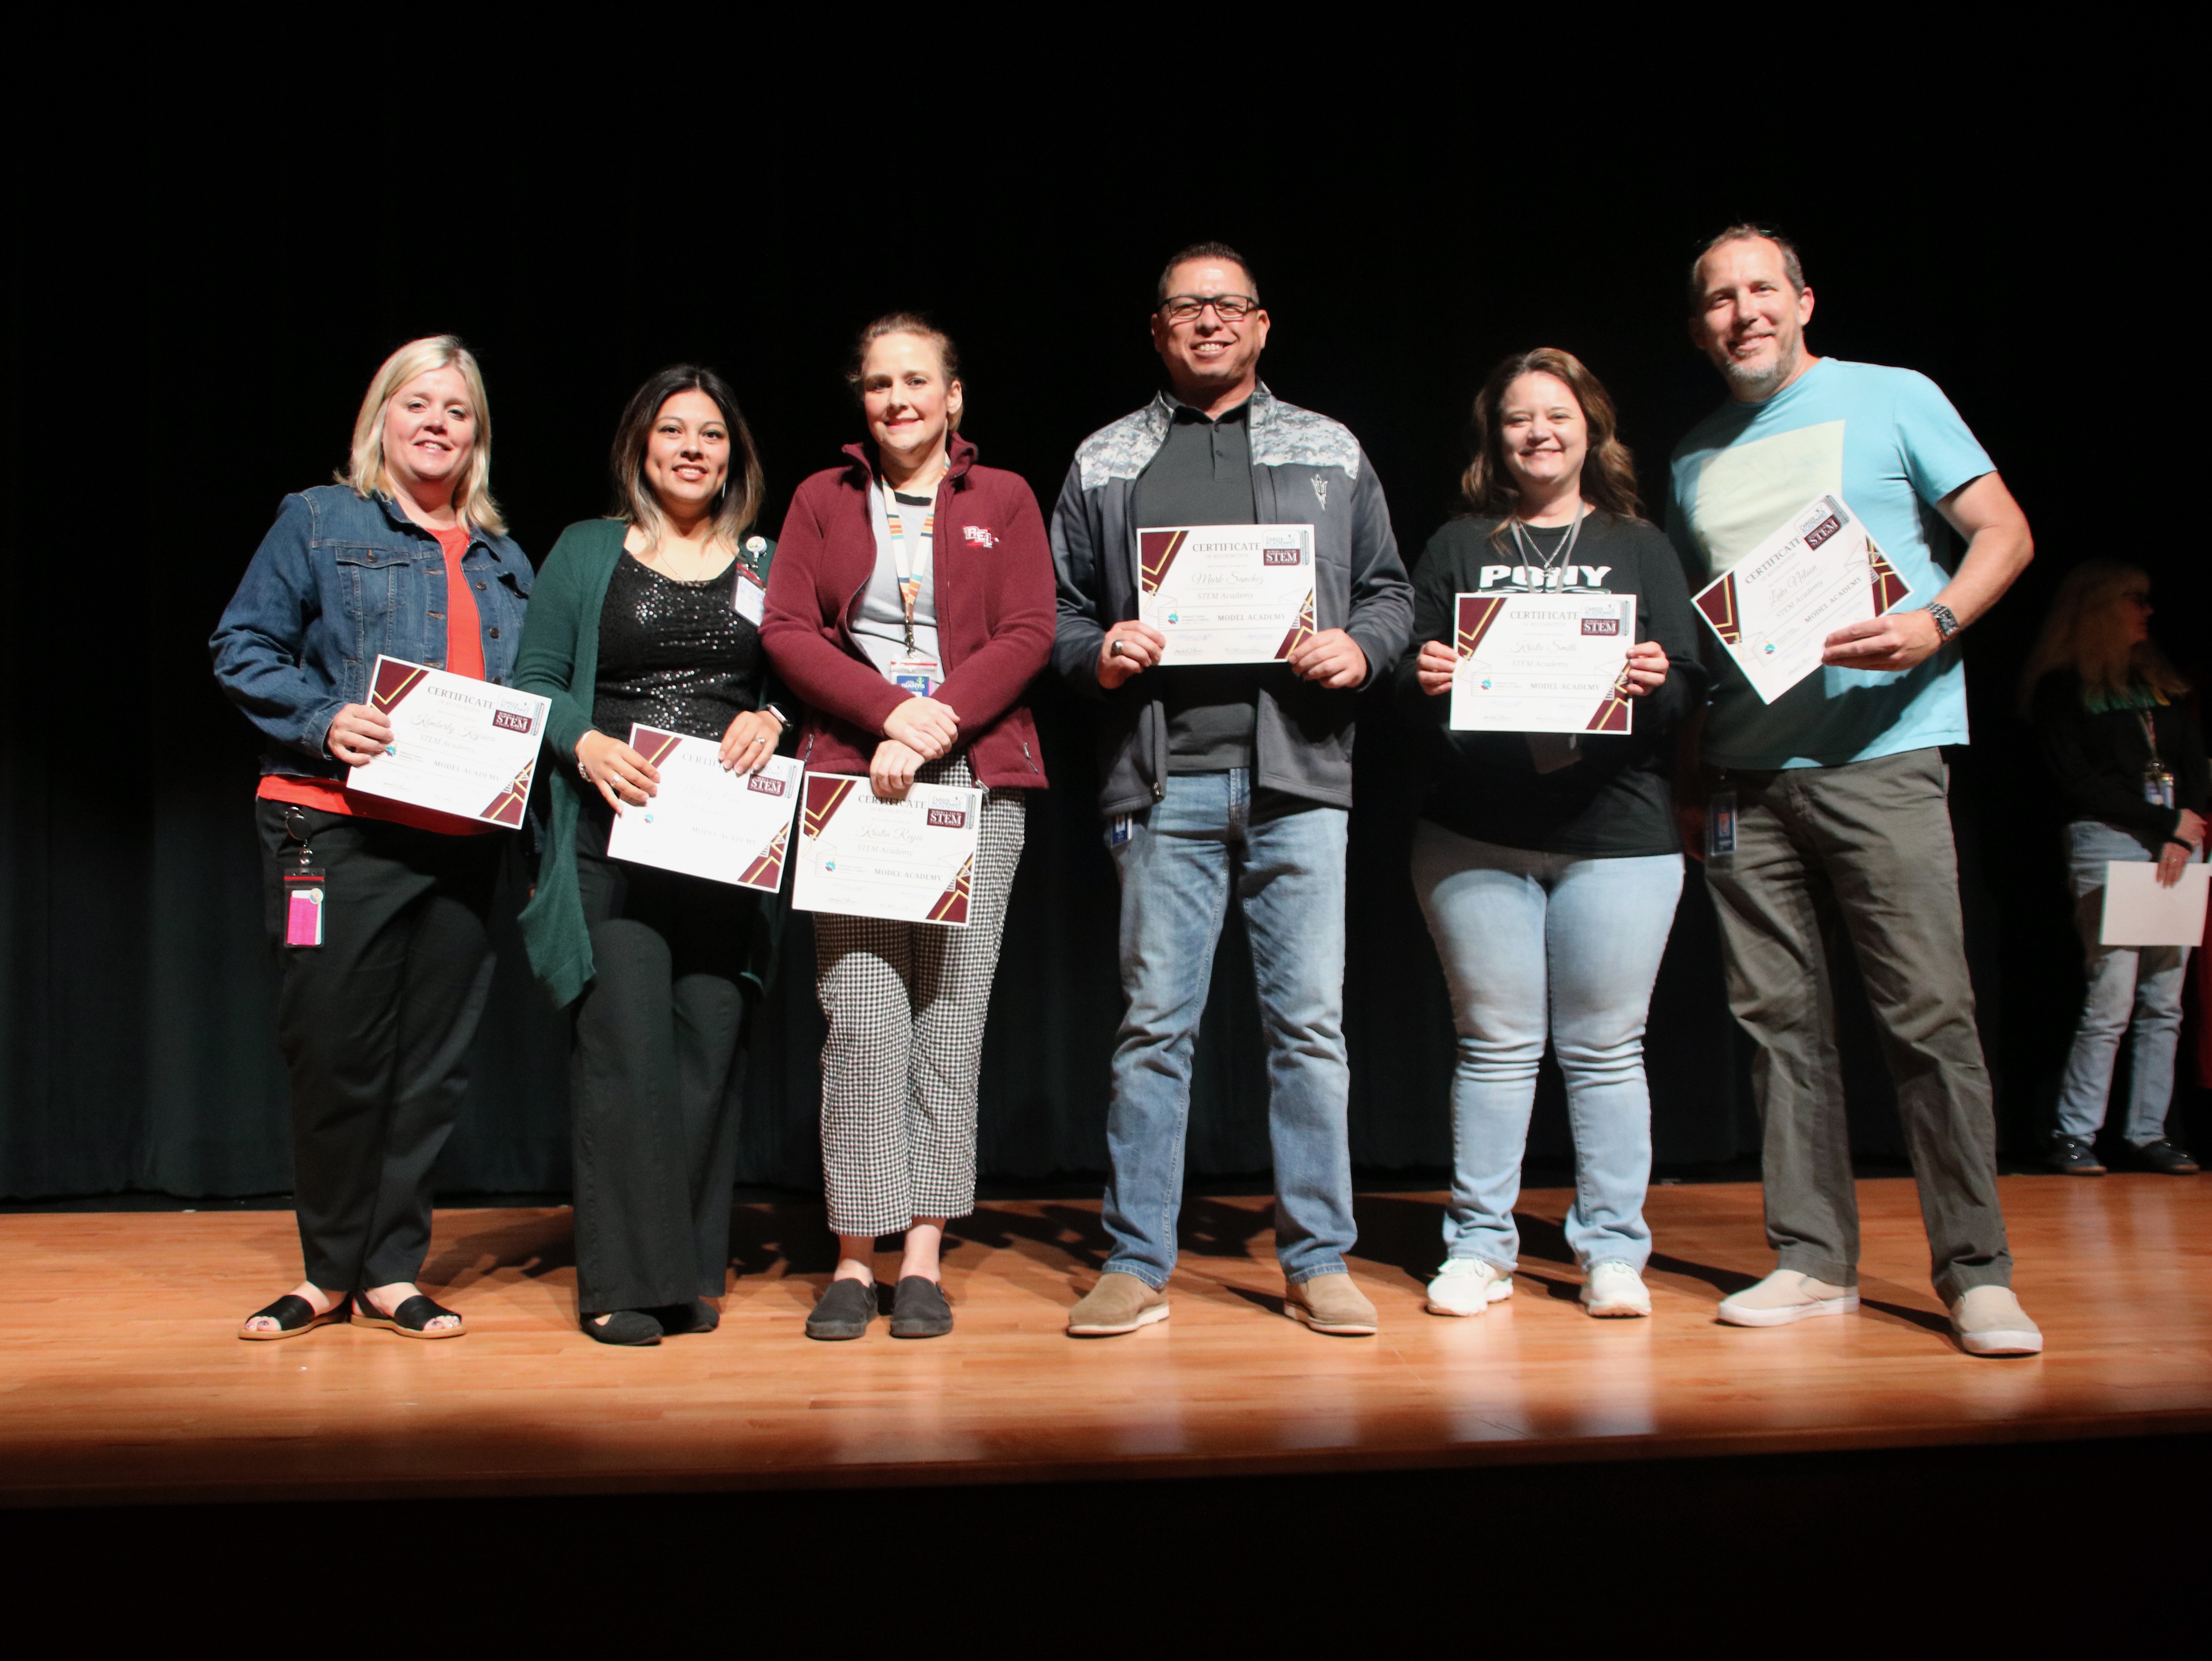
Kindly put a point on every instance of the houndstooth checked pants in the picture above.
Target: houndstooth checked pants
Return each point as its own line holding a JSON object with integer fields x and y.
{"x": 905, "y": 1003}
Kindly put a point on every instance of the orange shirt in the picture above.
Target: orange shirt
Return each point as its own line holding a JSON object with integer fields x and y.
{"x": 464, "y": 656}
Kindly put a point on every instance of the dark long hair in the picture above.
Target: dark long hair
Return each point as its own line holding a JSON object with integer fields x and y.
{"x": 1608, "y": 470}
{"x": 739, "y": 503}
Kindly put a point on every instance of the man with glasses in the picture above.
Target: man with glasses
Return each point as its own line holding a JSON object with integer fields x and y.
{"x": 1827, "y": 806}
{"x": 1227, "y": 780}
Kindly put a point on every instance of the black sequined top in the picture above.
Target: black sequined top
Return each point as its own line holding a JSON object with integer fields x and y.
{"x": 674, "y": 655}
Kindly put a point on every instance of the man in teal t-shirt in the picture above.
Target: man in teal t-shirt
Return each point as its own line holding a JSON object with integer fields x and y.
{"x": 1828, "y": 806}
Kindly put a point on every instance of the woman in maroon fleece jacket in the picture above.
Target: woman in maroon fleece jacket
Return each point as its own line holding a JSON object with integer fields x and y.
{"x": 910, "y": 603}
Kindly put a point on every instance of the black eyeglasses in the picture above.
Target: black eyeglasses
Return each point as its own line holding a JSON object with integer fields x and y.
{"x": 1229, "y": 307}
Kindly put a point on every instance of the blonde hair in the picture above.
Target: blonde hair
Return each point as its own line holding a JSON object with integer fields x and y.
{"x": 913, "y": 323}
{"x": 2085, "y": 631}
{"x": 367, "y": 472}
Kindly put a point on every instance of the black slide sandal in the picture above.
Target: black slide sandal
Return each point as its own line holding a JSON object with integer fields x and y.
{"x": 410, "y": 1319}
{"x": 293, "y": 1315}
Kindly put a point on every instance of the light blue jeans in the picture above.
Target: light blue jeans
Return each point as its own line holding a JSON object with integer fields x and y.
{"x": 1210, "y": 835}
{"x": 2141, "y": 980}
{"x": 1532, "y": 942}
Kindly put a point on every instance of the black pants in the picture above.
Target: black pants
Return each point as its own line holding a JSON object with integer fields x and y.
{"x": 652, "y": 1078}
{"x": 376, "y": 1026}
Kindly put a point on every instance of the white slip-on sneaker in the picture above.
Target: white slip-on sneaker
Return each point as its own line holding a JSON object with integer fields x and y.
{"x": 1784, "y": 1296}
{"x": 1468, "y": 1286}
{"x": 1989, "y": 1321}
{"x": 1613, "y": 1287}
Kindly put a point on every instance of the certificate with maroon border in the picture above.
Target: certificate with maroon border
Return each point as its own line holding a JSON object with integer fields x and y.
{"x": 705, "y": 820}
{"x": 1542, "y": 663}
{"x": 1227, "y": 594}
{"x": 906, "y": 862}
{"x": 460, "y": 746}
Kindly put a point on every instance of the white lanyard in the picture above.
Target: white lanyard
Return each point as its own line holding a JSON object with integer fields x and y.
{"x": 891, "y": 525}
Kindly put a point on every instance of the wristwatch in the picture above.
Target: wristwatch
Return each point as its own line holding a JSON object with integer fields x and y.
{"x": 1947, "y": 620}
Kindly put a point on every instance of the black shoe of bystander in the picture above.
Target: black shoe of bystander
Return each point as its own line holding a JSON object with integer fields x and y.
{"x": 2161, "y": 1156}
{"x": 2073, "y": 1155}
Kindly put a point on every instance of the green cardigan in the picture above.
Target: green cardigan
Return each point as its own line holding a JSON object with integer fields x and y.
{"x": 559, "y": 659}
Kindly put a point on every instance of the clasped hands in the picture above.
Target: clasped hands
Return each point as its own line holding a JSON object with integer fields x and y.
{"x": 1332, "y": 658}
{"x": 918, "y": 731}
{"x": 1646, "y": 671}
{"x": 620, "y": 775}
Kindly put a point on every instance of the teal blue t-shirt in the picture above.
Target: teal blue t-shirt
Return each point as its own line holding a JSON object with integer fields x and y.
{"x": 1890, "y": 444}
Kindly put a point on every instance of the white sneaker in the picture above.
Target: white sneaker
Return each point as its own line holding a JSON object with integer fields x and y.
{"x": 1989, "y": 1321}
{"x": 1784, "y": 1296}
{"x": 1468, "y": 1286}
{"x": 1615, "y": 1288}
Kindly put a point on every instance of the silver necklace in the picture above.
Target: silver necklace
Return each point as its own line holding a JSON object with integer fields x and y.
{"x": 1526, "y": 544}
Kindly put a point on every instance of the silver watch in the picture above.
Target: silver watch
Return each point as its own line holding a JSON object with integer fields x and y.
{"x": 1947, "y": 620}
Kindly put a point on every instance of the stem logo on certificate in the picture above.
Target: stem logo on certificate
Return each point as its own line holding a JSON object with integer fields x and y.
{"x": 906, "y": 862}
{"x": 705, "y": 821}
{"x": 1776, "y": 607}
{"x": 1542, "y": 663}
{"x": 460, "y": 746}
{"x": 1227, "y": 594}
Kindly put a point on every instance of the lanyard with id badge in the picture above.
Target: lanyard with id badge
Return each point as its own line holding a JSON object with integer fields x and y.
{"x": 2158, "y": 777}
{"x": 917, "y": 673}
{"x": 304, "y": 885}
{"x": 751, "y": 596}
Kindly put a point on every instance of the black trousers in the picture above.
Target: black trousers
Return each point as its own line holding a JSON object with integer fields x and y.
{"x": 376, "y": 1026}
{"x": 653, "y": 1077}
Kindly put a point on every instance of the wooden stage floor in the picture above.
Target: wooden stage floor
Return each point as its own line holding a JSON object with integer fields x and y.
{"x": 122, "y": 1380}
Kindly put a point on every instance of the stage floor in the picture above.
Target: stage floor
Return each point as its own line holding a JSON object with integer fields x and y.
{"x": 122, "y": 1381}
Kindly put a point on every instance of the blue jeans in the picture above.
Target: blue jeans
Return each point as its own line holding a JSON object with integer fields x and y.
{"x": 1535, "y": 940}
{"x": 1282, "y": 857}
{"x": 2141, "y": 980}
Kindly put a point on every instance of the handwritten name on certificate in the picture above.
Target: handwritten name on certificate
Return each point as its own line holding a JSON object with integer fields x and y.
{"x": 909, "y": 862}
{"x": 705, "y": 821}
{"x": 1774, "y": 608}
{"x": 1227, "y": 594}
{"x": 1542, "y": 663}
{"x": 458, "y": 746}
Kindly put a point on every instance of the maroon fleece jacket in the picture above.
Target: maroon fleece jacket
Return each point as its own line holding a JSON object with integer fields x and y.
{"x": 996, "y": 608}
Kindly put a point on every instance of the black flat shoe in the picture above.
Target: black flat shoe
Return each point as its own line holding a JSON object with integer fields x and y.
{"x": 632, "y": 1327}
{"x": 2161, "y": 1156}
{"x": 843, "y": 1312}
{"x": 919, "y": 1309}
{"x": 678, "y": 1320}
{"x": 411, "y": 1319}
{"x": 2074, "y": 1155}
{"x": 293, "y": 1315}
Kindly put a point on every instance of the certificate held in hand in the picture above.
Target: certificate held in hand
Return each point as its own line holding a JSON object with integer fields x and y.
{"x": 1227, "y": 594}
{"x": 1542, "y": 663}
{"x": 1776, "y": 607}
{"x": 460, "y": 746}
{"x": 705, "y": 820}
{"x": 907, "y": 861}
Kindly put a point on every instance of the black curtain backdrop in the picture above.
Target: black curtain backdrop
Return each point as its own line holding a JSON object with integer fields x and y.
{"x": 187, "y": 339}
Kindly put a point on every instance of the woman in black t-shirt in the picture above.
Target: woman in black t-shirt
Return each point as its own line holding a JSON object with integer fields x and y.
{"x": 653, "y": 622}
{"x": 1548, "y": 863}
{"x": 2123, "y": 745}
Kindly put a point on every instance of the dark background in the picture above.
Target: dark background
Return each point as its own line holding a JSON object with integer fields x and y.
{"x": 192, "y": 316}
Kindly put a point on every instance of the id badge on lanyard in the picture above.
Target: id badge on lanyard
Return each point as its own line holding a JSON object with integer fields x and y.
{"x": 915, "y": 672}
{"x": 2158, "y": 779}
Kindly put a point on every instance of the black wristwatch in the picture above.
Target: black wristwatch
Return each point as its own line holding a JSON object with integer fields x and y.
{"x": 1947, "y": 620}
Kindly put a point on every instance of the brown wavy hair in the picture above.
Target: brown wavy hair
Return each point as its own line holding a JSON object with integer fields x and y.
{"x": 2085, "y": 631}
{"x": 1608, "y": 470}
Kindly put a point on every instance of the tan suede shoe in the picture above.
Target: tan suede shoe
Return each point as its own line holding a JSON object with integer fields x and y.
{"x": 1989, "y": 1321}
{"x": 1331, "y": 1304}
{"x": 1119, "y": 1303}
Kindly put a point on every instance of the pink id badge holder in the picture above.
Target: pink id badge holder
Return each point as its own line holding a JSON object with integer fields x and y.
{"x": 306, "y": 888}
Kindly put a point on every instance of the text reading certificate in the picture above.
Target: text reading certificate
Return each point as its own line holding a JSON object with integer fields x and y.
{"x": 907, "y": 861}
{"x": 1227, "y": 594}
{"x": 1542, "y": 663}
{"x": 1775, "y": 607}
{"x": 458, "y": 746}
{"x": 705, "y": 821}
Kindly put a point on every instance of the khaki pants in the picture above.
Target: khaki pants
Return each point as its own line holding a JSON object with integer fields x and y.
{"x": 1864, "y": 848}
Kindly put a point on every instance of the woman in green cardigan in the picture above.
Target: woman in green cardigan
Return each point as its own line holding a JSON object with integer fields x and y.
{"x": 652, "y": 617}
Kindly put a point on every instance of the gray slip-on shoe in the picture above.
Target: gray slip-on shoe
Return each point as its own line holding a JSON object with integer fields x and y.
{"x": 844, "y": 1311}
{"x": 919, "y": 1309}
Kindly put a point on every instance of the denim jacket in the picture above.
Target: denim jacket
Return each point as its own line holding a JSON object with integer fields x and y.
{"x": 337, "y": 580}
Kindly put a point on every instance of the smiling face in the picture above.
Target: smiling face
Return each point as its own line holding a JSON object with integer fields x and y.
{"x": 430, "y": 432}
{"x": 1543, "y": 433}
{"x": 687, "y": 453}
{"x": 1750, "y": 321}
{"x": 1210, "y": 359}
{"x": 908, "y": 401}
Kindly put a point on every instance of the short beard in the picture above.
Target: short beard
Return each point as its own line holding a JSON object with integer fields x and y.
{"x": 1756, "y": 386}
